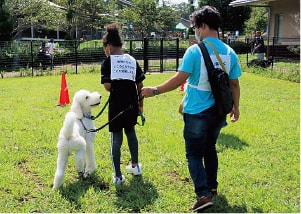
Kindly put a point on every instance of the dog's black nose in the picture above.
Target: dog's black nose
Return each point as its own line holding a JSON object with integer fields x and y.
{"x": 99, "y": 97}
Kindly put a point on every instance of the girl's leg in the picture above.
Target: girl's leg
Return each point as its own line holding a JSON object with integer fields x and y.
{"x": 116, "y": 142}
{"x": 133, "y": 144}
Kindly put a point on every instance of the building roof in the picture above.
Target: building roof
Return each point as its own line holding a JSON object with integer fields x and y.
{"x": 56, "y": 5}
{"x": 238, "y": 3}
{"x": 185, "y": 22}
{"x": 125, "y": 2}
{"x": 180, "y": 26}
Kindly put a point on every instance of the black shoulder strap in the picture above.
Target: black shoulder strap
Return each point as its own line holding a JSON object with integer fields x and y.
{"x": 207, "y": 59}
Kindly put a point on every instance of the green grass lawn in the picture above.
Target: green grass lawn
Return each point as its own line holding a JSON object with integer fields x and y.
{"x": 259, "y": 156}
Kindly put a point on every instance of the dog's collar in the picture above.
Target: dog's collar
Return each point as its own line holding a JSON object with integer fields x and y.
{"x": 88, "y": 116}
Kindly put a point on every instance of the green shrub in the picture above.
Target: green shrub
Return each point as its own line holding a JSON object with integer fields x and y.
{"x": 291, "y": 74}
{"x": 240, "y": 47}
{"x": 294, "y": 49}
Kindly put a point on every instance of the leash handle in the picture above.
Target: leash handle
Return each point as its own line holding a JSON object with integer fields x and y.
{"x": 142, "y": 119}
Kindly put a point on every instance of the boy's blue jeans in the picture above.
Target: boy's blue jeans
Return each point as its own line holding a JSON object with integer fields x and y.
{"x": 260, "y": 56}
{"x": 200, "y": 133}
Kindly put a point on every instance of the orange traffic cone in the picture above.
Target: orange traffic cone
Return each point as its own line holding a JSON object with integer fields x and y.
{"x": 64, "y": 95}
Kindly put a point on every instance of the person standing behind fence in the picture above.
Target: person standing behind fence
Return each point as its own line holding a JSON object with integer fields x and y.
{"x": 51, "y": 48}
{"x": 122, "y": 76}
{"x": 202, "y": 124}
{"x": 44, "y": 56}
{"x": 259, "y": 48}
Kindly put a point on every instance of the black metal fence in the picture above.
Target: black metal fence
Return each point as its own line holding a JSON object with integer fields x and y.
{"x": 284, "y": 49}
{"x": 279, "y": 49}
{"x": 153, "y": 55}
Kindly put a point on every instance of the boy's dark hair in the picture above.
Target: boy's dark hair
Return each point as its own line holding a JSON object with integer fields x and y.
{"x": 208, "y": 15}
{"x": 112, "y": 36}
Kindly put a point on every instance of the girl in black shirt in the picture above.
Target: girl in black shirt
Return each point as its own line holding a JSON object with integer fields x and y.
{"x": 122, "y": 76}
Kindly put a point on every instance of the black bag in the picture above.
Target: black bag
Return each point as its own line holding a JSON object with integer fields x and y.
{"x": 219, "y": 81}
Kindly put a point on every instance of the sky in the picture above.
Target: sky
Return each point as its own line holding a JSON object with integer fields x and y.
{"x": 176, "y": 1}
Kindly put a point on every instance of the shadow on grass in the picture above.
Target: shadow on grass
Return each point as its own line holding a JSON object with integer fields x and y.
{"x": 221, "y": 205}
{"x": 225, "y": 141}
{"x": 135, "y": 196}
{"x": 74, "y": 191}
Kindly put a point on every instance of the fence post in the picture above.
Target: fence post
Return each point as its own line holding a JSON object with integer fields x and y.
{"x": 273, "y": 49}
{"x": 131, "y": 47}
{"x": 145, "y": 51}
{"x": 31, "y": 52}
{"x": 161, "y": 55}
{"x": 177, "y": 54}
{"x": 75, "y": 45}
{"x": 248, "y": 50}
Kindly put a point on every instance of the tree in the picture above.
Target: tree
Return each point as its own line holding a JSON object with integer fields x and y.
{"x": 166, "y": 19}
{"x": 258, "y": 20}
{"x": 233, "y": 18}
{"x": 33, "y": 13}
{"x": 83, "y": 15}
{"x": 6, "y": 24}
{"x": 182, "y": 10}
{"x": 66, "y": 15}
{"x": 147, "y": 16}
{"x": 142, "y": 16}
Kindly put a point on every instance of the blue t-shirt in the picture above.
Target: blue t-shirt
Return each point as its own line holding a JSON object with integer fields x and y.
{"x": 198, "y": 95}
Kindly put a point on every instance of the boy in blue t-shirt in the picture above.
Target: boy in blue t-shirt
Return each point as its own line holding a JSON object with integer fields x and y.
{"x": 202, "y": 124}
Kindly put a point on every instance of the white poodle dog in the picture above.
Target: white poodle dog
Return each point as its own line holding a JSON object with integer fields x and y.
{"x": 75, "y": 137}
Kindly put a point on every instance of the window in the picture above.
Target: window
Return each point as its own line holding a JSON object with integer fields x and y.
{"x": 278, "y": 27}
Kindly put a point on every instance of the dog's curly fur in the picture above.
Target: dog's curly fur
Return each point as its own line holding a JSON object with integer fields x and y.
{"x": 74, "y": 137}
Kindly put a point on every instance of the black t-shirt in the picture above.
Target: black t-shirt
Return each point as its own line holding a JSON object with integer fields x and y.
{"x": 124, "y": 73}
{"x": 259, "y": 40}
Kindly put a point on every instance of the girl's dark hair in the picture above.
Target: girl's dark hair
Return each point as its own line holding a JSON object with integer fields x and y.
{"x": 208, "y": 15}
{"x": 112, "y": 36}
